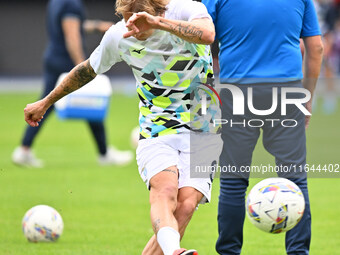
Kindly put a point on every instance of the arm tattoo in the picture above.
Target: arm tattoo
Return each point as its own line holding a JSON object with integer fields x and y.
{"x": 78, "y": 77}
{"x": 170, "y": 170}
{"x": 82, "y": 74}
{"x": 156, "y": 225}
{"x": 188, "y": 31}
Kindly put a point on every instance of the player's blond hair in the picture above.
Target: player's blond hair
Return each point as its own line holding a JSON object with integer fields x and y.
{"x": 153, "y": 7}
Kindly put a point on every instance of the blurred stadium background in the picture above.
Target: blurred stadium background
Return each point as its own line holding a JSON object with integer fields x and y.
{"x": 105, "y": 209}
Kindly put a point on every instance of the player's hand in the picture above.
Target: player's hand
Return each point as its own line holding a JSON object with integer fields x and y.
{"x": 309, "y": 108}
{"x": 140, "y": 22}
{"x": 34, "y": 113}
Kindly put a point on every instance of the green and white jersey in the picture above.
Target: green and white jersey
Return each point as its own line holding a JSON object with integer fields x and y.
{"x": 169, "y": 73}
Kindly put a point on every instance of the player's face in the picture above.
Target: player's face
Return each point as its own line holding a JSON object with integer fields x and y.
{"x": 140, "y": 36}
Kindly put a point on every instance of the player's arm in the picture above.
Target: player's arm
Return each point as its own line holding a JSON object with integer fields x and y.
{"x": 312, "y": 65}
{"x": 73, "y": 40}
{"x": 78, "y": 77}
{"x": 200, "y": 30}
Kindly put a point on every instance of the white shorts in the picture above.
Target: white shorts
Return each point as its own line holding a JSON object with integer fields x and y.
{"x": 157, "y": 154}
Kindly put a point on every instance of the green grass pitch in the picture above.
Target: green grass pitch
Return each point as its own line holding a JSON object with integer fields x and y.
{"x": 105, "y": 209}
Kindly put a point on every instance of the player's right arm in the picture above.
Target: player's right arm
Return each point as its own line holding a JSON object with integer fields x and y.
{"x": 200, "y": 30}
{"x": 78, "y": 77}
{"x": 192, "y": 22}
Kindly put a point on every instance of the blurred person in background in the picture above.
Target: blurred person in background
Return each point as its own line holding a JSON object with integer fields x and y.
{"x": 336, "y": 40}
{"x": 66, "y": 25}
{"x": 327, "y": 15}
{"x": 336, "y": 47}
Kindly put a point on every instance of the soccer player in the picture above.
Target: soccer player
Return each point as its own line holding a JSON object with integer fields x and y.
{"x": 66, "y": 24}
{"x": 260, "y": 52}
{"x": 166, "y": 45}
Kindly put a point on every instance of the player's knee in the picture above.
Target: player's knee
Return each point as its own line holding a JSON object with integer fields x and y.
{"x": 186, "y": 208}
{"x": 166, "y": 193}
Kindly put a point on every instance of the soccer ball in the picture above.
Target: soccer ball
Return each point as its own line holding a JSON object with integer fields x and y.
{"x": 42, "y": 223}
{"x": 134, "y": 137}
{"x": 275, "y": 205}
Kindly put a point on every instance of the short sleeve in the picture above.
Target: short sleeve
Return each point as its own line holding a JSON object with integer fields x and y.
{"x": 310, "y": 26}
{"x": 211, "y": 7}
{"x": 72, "y": 9}
{"x": 107, "y": 53}
{"x": 187, "y": 10}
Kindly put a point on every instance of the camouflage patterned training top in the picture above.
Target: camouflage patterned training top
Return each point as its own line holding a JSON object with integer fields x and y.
{"x": 169, "y": 73}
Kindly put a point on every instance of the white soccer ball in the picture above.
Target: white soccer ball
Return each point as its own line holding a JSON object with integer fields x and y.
{"x": 134, "y": 137}
{"x": 42, "y": 223}
{"x": 275, "y": 205}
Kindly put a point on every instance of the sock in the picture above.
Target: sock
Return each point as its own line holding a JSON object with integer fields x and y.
{"x": 168, "y": 239}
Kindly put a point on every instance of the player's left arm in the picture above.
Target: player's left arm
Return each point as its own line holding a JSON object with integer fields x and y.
{"x": 78, "y": 77}
{"x": 312, "y": 65}
{"x": 199, "y": 30}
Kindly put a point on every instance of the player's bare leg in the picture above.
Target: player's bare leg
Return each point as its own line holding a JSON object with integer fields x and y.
{"x": 163, "y": 198}
{"x": 187, "y": 200}
{"x": 163, "y": 201}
